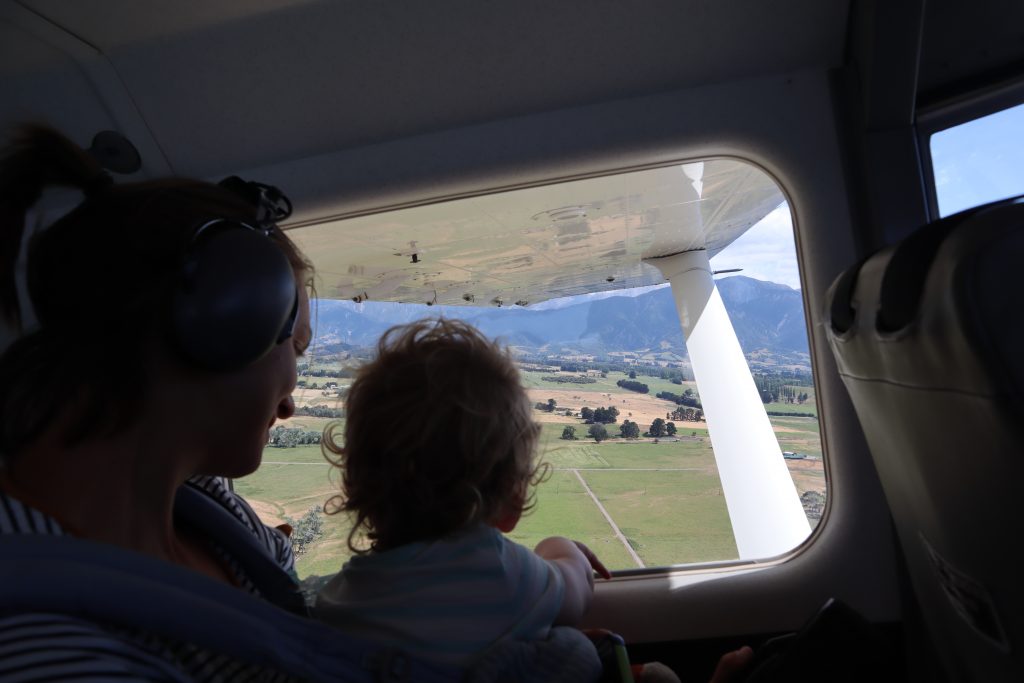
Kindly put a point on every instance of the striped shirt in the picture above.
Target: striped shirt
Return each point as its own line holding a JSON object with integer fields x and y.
{"x": 54, "y": 647}
{"x": 445, "y": 601}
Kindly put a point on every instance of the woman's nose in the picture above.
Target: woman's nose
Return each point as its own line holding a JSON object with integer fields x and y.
{"x": 286, "y": 408}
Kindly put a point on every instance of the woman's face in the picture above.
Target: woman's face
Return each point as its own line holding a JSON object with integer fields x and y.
{"x": 241, "y": 407}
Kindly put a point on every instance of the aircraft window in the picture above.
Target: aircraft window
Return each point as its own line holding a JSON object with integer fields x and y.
{"x": 979, "y": 161}
{"x": 636, "y": 472}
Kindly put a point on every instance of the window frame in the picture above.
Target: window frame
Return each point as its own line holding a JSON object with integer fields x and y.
{"x": 938, "y": 116}
{"x": 678, "y": 573}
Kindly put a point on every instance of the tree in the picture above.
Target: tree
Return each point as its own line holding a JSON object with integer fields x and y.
{"x": 629, "y": 430}
{"x": 670, "y": 428}
{"x": 307, "y": 530}
{"x": 587, "y": 414}
{"x": 657, "y": 428}
{"x": 551, "y": 405}
{"x": 598, "y": 432}
{"x": 569, "y": 433}
{"x": 632, "y": 374}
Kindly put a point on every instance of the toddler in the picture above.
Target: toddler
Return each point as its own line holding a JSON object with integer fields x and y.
{"x": 437, "y": 461}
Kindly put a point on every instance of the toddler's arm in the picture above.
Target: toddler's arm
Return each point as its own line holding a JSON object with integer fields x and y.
{"x": 577, "y": 565}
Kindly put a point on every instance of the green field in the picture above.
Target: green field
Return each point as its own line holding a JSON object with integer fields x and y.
{"x": 534, "y": 380}
{"x": 801, "y": 435}
{"x": 665, "y": 498}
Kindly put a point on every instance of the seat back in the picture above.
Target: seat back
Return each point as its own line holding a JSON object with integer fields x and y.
{"x": 926, "y": 335}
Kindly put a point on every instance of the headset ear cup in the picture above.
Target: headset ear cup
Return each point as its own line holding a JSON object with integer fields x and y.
{"x": 237, "y": 295}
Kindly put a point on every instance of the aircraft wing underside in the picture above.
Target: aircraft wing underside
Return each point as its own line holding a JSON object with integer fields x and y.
{"x": 528, "y": 245}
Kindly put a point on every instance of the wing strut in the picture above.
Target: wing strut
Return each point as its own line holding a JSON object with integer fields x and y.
{"x": 765, "y": 510}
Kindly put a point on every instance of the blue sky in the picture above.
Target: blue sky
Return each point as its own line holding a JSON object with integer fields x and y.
{"x": 979, "y": 161}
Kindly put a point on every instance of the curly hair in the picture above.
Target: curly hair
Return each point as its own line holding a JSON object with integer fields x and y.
{"x": 438, "y": 436}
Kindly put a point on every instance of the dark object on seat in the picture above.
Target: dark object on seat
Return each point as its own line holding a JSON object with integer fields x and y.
{"x": 836, "y": 645}
{"x": 931, "y": 357}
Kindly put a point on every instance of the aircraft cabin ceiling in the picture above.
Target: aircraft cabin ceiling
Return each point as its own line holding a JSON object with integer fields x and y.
{"x": 963, "y": 48}
{"x": 208, "y": 88}
{"x": 223, "y": 85}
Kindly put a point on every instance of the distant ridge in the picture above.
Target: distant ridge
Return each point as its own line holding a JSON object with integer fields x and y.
{"x": 768, "y": 319}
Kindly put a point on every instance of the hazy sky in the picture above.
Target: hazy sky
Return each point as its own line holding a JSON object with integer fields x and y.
{"x": 765, "y": 252}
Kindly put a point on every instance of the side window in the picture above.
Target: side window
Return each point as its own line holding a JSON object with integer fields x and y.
{"x": 979, "y": 161}
{"x": 638, "y": 470}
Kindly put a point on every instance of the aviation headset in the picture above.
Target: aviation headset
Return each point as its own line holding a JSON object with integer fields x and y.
{"x": 237, "y": 298}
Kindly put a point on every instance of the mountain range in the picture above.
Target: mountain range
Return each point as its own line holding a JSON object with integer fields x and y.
{"x": 768, "y": 319}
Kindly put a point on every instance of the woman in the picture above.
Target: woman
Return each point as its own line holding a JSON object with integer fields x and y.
{"x": 159, "y": 325}
{"x": 126, "y": 388}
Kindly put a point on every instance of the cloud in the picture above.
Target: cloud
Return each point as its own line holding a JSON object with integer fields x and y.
{"x": 765, "y": 252}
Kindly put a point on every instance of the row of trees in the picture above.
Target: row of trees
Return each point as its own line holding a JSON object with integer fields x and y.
{"x": 579, "y": 367}
{"x": 290, "y": 437}
{"x": 569, "y": 379}
{"x": 776, "y": 389}
{"x": 687, "y": 398}
{"x": 633, "y": 385}
{"x": 608, "y": 415}
{"x": 327, "y": 387}
{"x": 627, "y": 430}
{"x": 674, "y": 375}
{"x": 306, "y": 371}
{"x": 684, "y": 414}
{"x": 319, "y": 411}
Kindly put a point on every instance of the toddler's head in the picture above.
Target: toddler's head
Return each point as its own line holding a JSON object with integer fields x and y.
{"x": 438, "y": 436}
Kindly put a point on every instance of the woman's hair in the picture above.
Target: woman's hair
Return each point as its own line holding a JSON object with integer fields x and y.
{"x": 438, "y": 435}
{"x": 100, "y": 280}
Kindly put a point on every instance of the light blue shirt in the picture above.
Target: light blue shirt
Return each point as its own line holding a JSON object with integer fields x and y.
{"x": 446, "y": 600}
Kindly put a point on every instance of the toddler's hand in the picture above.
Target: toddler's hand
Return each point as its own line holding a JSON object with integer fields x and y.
{"x": 576, "y": 564}
{"x": 595, "y": 563}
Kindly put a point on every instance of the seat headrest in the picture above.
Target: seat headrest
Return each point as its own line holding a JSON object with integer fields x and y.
{"x": 905, "y": 275}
